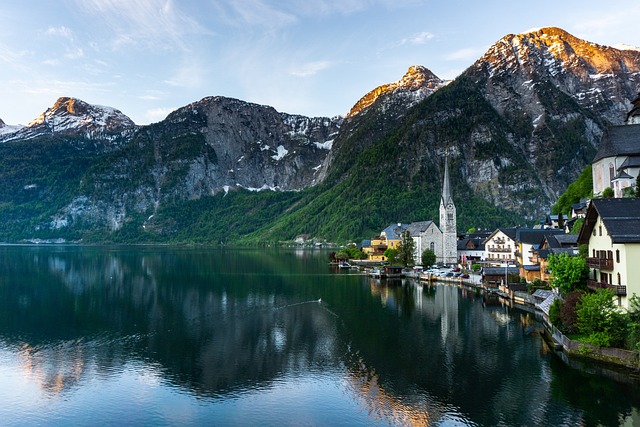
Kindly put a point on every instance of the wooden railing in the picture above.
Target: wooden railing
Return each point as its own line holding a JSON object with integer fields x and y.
{"x": 600, "y": 263}
{"x": 617, "y": 289}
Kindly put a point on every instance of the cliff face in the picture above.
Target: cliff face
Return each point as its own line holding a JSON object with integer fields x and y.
{"x": 212, "y": 146}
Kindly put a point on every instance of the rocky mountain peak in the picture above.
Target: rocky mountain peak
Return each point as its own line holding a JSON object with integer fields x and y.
{"x": 556, "y": 51}
{"x": 72, "y": 117}
{"x": 600, "y": 79}
{"x": 417, "y": 83}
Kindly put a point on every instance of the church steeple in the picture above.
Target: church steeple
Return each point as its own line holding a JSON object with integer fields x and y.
{"x": 446, "y": 191}
{"x": 448, "y": 223}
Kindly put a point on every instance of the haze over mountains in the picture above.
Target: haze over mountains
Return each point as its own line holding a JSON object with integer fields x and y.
{"x": 518, "y": 125}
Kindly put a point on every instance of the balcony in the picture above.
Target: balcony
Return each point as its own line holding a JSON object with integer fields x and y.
{"x": 498, "y": 241}
{"x": 617, "y": 289}
{"x": 494, "y": 249}
{"x": 600, "y": 263}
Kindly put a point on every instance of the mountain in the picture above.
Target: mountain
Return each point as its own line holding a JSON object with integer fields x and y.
{"x": 518, "y": 126}
{"x": 417, "y": 84}
{"x": 102, "y": 127}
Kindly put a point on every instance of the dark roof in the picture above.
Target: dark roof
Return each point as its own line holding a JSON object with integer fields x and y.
{"x": 622, "y": 175}
{"x": 477, "y": 243}
{"x": 630, "y": 162}
{"x": 566, "y": 239}
{"x": 619, "y": 140}
{"x": 621, "y": 218}
{"x": 415, "y": 228}
{"x": 497, "y": 271}
{"x": 579, "y": 206}
{"x": 544, "y": 253}
{"x": 535, "y": 236}
{"x": 479, "y": 234}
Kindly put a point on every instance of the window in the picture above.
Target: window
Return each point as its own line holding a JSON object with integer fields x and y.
{"x": 432, "y": 246}
{"x": 600, "y": 230}
{"x": 618, "y": 256}
{"x": 611, "y": 174}
{"x": 619, "y": 279}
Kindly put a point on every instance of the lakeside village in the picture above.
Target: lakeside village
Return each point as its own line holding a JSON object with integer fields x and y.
{"x": 585, "y": 285}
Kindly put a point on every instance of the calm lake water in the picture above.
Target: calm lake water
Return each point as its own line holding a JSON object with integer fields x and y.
{"x": 165, "y": 336}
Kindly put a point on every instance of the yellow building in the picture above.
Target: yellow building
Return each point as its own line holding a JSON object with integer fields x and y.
{"x": 612, "y": 231}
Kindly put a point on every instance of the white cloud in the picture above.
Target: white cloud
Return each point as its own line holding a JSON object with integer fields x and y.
{"x": 310, "y": 68}
{"x": 253, "y": 13}
{"x": 61, "y": 31}
{"x": 153, "y": 23}
{"x": 417, "y": 39}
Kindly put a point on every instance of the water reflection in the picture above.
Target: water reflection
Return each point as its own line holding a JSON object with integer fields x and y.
{"x": 225, "y": 326}
{"x": 210, "y": 328}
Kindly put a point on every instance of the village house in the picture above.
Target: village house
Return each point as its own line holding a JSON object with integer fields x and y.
{"x": 528, "y": 240}
{"x": 552, "y": 244}
{"x": 500, "y": 247}
{"x": 471, "y": 250}
{"x": 612, "y": 231}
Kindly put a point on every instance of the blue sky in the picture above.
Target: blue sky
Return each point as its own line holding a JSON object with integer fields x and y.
{"x": 313, "y": 57}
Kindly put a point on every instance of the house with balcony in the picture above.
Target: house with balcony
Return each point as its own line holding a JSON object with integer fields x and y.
{"x": 500, "y": 247}
{"x": 612, "y": 231}
{"x": 553, "y": 244}
{"x": 528, "y": 240}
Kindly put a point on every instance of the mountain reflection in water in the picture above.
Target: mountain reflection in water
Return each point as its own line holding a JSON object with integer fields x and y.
{"x": 269, "y": 337}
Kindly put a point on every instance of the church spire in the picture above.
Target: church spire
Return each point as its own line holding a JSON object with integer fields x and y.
{"x": 446, "y": 191}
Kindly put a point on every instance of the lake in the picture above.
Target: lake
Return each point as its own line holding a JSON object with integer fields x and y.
{"x": 172, "y": 336}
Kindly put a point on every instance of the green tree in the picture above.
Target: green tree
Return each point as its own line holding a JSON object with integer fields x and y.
{"x": 428, "y": 257}
{"x": 579, "y": 189}
{"x": 560, "y": 221}
{"x": 633, "y": 327}
{"x": 577, "y": 226}
{"x": 599, "y": 318}
{"x": 638, "y": 185}
{"x": 406, "y": 249}
{"x": 355, "y": 253}
{"x": 391, "y": 255}
{"x": 471, "y": 230}
{"x": 607, "y": 193}
{"x": 569, "y": 272}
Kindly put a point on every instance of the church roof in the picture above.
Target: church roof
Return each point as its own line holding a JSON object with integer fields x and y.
{"x": 623, "y": 140}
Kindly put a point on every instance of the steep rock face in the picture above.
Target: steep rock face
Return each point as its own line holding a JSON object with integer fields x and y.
{"x": 81, "y": 123}
{"x": 376, "y": 114}
{"x": 557, "y": 93}
{"x": 599, "y": 78}
{"x": 214, "y": 145}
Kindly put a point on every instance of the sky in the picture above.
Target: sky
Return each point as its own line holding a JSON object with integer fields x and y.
{"x": 312, "y": 57}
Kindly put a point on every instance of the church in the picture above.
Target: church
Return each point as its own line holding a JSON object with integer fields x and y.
{"x": 442, "y": 239}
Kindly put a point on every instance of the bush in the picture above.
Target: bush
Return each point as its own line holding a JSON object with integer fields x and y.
{"x": 599, "y": 318}
{"x": 568, "y": 316}
{"x": 554, "y": 314}
{"x": 476, "y": 267}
